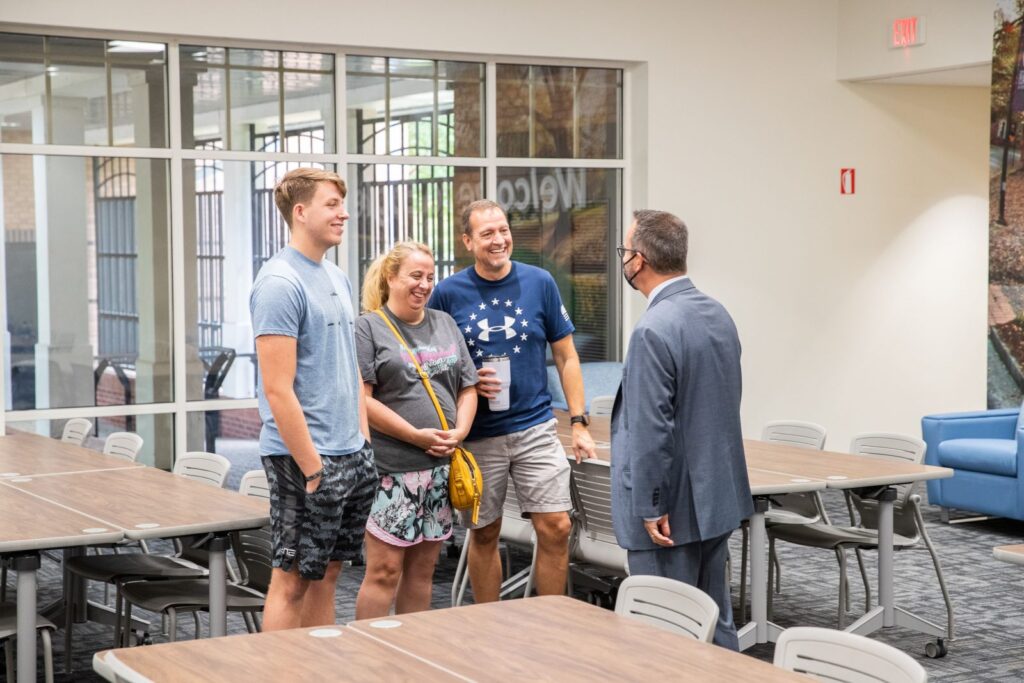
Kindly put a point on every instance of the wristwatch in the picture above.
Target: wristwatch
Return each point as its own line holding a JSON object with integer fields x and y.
{"x": 583, "y": 419}
{"x": 316, "y": 475}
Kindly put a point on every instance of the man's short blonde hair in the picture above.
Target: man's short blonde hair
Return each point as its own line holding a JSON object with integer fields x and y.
{"x": 299, "y": 186}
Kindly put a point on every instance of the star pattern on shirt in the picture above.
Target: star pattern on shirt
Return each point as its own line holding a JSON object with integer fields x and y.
{"x": 516, "y": 349}
{"x": 479, "y": 353}
{"x": 519, "y": 311}
{"x": 524, "y": 322}
{"x": 472, "y": 316}
{"x": 482, "y": 305}
{"x": 467, "y": 329}
{"x": 494, "y": 302}
{"x": 524, "y": 337}
{"x": 471, "y": 341}
{"x": 508, "y": 303}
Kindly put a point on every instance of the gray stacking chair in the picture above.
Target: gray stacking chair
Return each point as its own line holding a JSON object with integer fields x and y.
{"x": 601, "y": 405}
{"x": 188, "y": 562}
{"x": 836, "y": 656}
{"x": 75, "y": 431}
{"x": 515, "y": 530}
{"x": 791, "y": 508}
{"x": 8, "y": 631}
{"x": 253, "y": 550}
{"x": 908, "y": 524}
{"x": 593, "y": 541}
{"x": 124, "y": 445}
{"x": 669, "y": 605}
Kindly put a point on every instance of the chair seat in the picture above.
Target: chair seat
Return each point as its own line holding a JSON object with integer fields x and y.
{"x": 110, "y": 568}
{"x": 991, "y": 456}
{"x": 158, "y": 596}
{"x": 831, "y": 537}
{"x": 9, "y": 620}
{"x": 780, "y": 516}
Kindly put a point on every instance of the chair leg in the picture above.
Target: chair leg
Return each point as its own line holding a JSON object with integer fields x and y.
{"x": 250, "y": 626}
{"x": 259, "y": 623}
{"x": 843, "y": 588}
{"x": 69, "y": 620}
{"x": 47, "y": 654}
{"x": 938, "y": 570}
{"x": 126, "y": 632}
{"x": 117, "y": 611}
{"x": 172, "y": 624}
{"x": 9, "y": 658}
{"x": 864, "y": 577}
{"x": 774, "y": 559}
{"x": 743, "y": 575}
{"x": 199, "y": 626}
{"x": 771, "y": 576}
{"x": 3, "y": 584}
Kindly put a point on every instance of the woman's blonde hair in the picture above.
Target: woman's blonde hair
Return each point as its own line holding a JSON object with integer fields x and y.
{"x": 375, "y": 283}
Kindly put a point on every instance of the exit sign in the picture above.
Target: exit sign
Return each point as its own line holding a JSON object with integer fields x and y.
{"x": 906, "y": 32}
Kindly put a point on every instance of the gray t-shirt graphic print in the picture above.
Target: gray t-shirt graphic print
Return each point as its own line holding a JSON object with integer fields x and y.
{"x": 441, "y": 351}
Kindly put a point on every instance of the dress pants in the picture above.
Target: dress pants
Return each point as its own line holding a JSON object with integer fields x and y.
{"x": 700, "y": 564}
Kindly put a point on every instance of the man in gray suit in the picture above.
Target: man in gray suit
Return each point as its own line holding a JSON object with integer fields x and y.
{"x": 679, "y": 475}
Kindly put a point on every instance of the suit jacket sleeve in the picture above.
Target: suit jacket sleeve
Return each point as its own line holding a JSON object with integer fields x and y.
{"x": 650, "y": 388}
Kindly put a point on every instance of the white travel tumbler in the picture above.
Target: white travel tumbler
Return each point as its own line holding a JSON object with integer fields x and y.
{"x": 503, "y": 368}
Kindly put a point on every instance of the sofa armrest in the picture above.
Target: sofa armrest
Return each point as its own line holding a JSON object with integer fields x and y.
{"x": 981, "y": 424}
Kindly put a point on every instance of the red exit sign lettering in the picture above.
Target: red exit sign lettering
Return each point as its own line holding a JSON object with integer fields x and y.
{"x": 907, "y": 32}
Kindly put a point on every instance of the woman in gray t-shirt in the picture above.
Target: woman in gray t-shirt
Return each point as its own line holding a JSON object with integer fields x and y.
{"x": 411, "y": 515}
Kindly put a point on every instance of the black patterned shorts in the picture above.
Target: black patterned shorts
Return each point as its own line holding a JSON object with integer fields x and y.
{"x": 326, "y": 525}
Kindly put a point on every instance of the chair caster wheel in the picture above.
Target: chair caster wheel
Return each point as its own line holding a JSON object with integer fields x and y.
{"x": 936, "y": 650}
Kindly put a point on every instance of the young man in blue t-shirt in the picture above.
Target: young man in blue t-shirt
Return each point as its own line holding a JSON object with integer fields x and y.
{"x": 317, "y": 458}
{"x": 506, "y": 308}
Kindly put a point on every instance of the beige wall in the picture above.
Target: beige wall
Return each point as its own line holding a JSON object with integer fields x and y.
{"x": 958, "y": 33}
{"x": 862, "y": 312}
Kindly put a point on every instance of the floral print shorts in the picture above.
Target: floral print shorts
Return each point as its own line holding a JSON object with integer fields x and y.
{"x": 411, "y": 507}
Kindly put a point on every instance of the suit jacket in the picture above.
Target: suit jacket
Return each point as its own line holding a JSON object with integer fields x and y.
{"x": 677, "y": 446}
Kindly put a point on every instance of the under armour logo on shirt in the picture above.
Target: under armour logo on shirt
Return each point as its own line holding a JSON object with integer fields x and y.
{"x": 486, "y": 328}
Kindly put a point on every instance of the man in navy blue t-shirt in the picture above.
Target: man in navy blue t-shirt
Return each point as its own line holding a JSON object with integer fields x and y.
{"x": 506, "y": 308}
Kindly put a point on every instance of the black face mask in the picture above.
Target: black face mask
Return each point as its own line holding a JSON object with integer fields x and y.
{"x": 628, "y": 279}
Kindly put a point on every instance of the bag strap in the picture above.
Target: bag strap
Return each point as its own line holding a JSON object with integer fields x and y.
{"x": 423, "y": 375}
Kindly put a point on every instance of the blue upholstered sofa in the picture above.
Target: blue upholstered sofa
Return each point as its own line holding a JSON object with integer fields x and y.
{"x": 599, "y": 379}
{"x": 986, "y": 448}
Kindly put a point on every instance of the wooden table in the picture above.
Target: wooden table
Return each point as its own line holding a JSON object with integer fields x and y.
{"x": 146, "y": 503}
{"x": 309, "y": 654}
{"x": 873, "y": 477}
{"x": 29, "y": 525}
{"x": 560, "y": 639}
{"x": 26, "y": 454}
{"x": 1009, "y": 553}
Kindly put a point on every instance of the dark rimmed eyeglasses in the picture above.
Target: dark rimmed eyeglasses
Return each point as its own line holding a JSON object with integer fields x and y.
{"x": 621, "y": 251}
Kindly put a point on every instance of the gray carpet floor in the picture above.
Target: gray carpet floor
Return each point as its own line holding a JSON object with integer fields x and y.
{"x": 987, "y": 597}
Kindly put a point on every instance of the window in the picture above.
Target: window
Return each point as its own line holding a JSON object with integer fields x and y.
{"x": 131, "y": 308}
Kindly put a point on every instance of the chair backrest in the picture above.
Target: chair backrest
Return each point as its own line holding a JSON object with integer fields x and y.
{"x": 75, "y": 430}
{"x": 253, "y": 548}
{"x": 602, "y": 405}
{"x": 802, "y": 435}
{"x": 592, "y": 497}
{"x": 514, "y": 527}
{"x": 254, "y": 483}
{"x": 795, "y": 433}
{"x": 839, "y": 656}
{"x": 123, "y": 445}
{"x": 896, "y": 447}
{"x": 668, "y": 604}
{"x": 206, "y": 468}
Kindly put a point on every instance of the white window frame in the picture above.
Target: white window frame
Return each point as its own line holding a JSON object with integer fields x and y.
{"x": 347, "y": 253}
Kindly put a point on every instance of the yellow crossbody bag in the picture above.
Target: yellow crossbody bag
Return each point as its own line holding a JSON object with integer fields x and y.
{"x": 465, "y": 483}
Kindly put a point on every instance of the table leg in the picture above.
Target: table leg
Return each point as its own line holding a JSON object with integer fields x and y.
{"x": 26, "y": 566}
{"x": 758, "y": 630}
{"x": 218, "y": 546}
